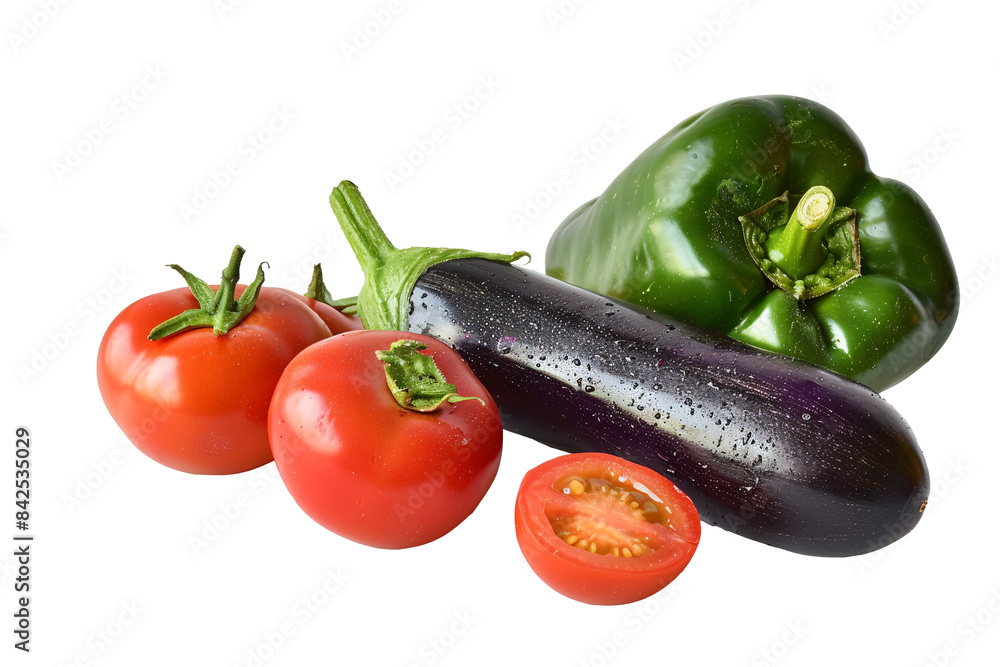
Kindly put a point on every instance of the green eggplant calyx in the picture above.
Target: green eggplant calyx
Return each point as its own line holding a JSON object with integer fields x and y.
{"x": 414, "y": 379}
{"x": 390, "y": 273}
{"x": 317, "y": 290}
{"x": 806, "y": 245}
{"x": 219, "y": 309}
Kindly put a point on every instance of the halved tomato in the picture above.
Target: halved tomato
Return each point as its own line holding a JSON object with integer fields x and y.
{"x": 602, "y": 530}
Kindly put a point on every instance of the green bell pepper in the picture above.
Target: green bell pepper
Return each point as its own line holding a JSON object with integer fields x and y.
{"x": 760, "y": 218}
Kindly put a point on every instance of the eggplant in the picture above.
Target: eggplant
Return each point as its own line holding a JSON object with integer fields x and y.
{"x": 768, "y": 447}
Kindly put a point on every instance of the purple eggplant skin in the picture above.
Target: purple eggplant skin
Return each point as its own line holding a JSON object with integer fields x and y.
{"x": 767, "y": 447}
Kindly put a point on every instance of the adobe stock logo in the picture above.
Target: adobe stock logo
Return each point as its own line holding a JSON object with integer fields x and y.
{"x": 558, "y": 14}
{"x": 640, "y": 617}
{"x": 58, "y": 340}
{"x": 32, "y": 24}
{"x": 581, "y": 159}
{"x": 919, "y": 163}
{"x": 122, "y": 107}
{"x": 971, "y": 627}
{"x": 898, "y": 17}
{"x": 249, "y": 149}
{"x": 700, "y": 41}
{"x": 774, "y": 653}
{"x": 366, "y": 33}
{"x": 223, "y": 8}
{"x": 453, "y": 118}
{"x": 435, "y": 647}
{"x": 268, "y": 644}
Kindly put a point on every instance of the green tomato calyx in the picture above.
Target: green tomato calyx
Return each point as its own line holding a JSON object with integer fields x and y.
{"x": 218, "y": 309}
{"x": 317, "y": 290}
{"x": 414, "y": 379}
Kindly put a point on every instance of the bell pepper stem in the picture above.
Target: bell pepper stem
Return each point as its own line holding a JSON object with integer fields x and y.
{"x": 798, "y": 249}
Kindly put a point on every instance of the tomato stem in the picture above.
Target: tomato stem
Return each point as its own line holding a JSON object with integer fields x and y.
{"x": 415, "y": 380}
{"x": 218, "y": 309}
{"x": 317, "y": 290}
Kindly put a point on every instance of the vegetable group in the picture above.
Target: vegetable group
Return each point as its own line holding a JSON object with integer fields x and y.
{"x": 196, "y": 400}
{"x": 699, "y": 228}
{"x": 765, "y": 445}
{"x": 773, "y": 272}
{"x": 602, "y": 530}
{"x": 385, "y": 470}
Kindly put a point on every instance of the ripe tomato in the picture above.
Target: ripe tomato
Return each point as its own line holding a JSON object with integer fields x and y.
{"x": 364, "y": 467}
{"x": 318, "y": 298}
{"x": 195, "y": 401}
{"x": 335, "y": 320}
{"x": 602, "y": 530}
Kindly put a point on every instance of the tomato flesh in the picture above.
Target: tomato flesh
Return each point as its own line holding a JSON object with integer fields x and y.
{"x": 617, "y": 525}
{"x": 629, "y": 530}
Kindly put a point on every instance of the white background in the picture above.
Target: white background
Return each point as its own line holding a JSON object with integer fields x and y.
{"x": 154, "y": 99}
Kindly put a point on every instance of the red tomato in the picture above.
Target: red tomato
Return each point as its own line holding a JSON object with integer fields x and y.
{"x": 602, "y": 530}
{"x": 337, "y": 321}
{"x": 195, "y": 401}
{"x": 364, "y": 467}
